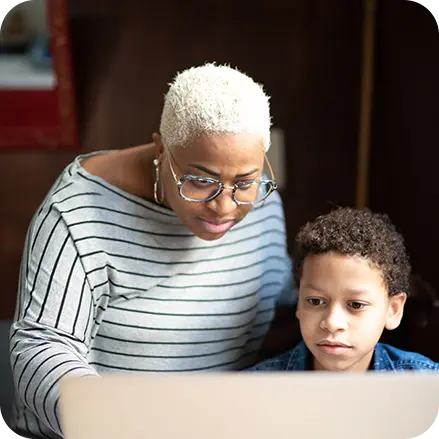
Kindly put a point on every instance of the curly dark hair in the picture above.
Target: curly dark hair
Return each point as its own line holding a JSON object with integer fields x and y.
{"x": 357, "y": 232}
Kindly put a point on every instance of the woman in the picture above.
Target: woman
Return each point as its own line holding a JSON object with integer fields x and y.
{"x": 166, "y": 257}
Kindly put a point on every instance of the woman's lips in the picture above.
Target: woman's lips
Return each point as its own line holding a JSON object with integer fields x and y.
{"x": 212, "y": 226}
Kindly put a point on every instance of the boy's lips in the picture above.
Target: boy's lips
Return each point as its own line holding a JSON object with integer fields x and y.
{"x": 333, "y": 343}
{"x": 333, "y": 347}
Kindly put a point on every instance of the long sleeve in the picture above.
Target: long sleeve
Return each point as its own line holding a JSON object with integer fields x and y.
{"x": 55, "y": 318}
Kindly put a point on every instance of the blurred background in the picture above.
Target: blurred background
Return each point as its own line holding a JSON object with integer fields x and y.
{"x": 354, "y": 89}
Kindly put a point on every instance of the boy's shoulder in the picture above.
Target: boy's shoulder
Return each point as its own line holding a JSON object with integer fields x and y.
{"x": 390, "y": 358}
{"x": 386, "y": 358}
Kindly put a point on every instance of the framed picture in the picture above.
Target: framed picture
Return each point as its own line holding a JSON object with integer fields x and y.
{"x": 37, "y": 95}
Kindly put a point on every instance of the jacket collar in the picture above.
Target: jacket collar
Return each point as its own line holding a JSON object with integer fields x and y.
{"x": 301, "y": 356}
{"x": 381, "y": 359}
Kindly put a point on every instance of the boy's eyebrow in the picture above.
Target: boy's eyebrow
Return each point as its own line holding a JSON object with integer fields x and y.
{"x": 357, "y": 292}
{"x": 353, "y": 291}
{"x": 215, "y": 174}
{"x": 313, "y": 287}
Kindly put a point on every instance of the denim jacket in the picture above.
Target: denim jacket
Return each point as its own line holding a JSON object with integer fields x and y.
{"x": 385, "y": 358}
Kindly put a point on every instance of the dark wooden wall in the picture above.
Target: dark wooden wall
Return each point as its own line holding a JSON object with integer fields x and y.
{"x": 405, "y": 151}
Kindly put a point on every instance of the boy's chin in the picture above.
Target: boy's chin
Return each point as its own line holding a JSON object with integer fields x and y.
{"x": 331, "y": 366}
{"x": 341, "y": 364}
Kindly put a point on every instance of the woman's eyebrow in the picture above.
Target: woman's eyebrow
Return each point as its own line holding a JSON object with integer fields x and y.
{"x": 215, "y": 174}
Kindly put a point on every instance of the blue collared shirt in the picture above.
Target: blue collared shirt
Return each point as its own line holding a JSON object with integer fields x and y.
{"x": 385, "y": 357}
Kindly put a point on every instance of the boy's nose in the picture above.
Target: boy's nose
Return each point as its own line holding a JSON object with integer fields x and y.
{"x": 334, "y": 320}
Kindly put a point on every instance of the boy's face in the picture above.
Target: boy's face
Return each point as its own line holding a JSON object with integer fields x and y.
{"x": 343, "y": 309}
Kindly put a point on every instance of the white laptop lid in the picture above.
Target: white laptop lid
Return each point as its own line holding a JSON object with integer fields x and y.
{"x": 250, "y": 405}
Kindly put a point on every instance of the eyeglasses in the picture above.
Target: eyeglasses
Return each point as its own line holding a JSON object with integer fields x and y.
{"x": 203, "y": 189}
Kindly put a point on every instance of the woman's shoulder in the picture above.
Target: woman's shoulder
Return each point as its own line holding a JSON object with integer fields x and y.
{"x": 73, "y": 187}
{"x": 81, "y": 199}
{"x": 111, "y": 177}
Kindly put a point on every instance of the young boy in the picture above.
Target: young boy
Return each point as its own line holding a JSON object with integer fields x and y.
{"x": 352, "y": 271}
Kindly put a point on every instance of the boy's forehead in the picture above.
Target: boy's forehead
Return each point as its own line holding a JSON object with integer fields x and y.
{"x": 345, "y": 260}
{"x": 337, "y": 272}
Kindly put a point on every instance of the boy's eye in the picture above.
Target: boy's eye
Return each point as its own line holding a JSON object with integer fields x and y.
{"x": 315, "y": 302}
{"x": 357, "y": 305}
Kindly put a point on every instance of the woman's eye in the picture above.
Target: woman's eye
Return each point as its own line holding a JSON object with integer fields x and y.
{"x": 357, "y": 305}
{"x": 245, "y": 185}
{"x": 315, "y": 302}
{"x": 201, "y": 183}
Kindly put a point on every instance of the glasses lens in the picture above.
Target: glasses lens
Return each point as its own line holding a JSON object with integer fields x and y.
{"x": 253, "y": 192}
{"x": 200, "y": 189}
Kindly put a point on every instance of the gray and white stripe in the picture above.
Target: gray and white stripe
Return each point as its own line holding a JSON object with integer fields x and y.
{"x": 110, "y": 282}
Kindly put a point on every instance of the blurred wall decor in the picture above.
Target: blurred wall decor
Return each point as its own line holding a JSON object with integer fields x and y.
{"x": 37, "y": 97}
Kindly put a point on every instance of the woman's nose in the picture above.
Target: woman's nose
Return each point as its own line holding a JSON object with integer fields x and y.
{"x": 223, "y": 205}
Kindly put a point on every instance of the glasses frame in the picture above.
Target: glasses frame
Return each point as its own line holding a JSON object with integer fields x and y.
{"x": 272, "y": 184}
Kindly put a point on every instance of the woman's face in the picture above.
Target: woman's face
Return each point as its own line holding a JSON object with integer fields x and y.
{"x": 229, "y": 158}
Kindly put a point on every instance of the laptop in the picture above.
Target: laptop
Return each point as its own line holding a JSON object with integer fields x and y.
{"x": 250, "y": 405}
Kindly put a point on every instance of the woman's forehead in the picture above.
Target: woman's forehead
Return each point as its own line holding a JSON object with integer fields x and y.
{"x": 230, "y": 149}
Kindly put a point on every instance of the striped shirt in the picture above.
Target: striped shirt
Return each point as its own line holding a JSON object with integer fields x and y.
{"x": 112, "y": 283}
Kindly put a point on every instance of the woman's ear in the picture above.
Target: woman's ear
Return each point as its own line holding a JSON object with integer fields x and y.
{"x": 159, "y": 147}
{"x": 396, "y": 310}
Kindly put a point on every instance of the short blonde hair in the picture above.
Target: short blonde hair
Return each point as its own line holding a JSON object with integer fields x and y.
{"x": 214, "y": 99}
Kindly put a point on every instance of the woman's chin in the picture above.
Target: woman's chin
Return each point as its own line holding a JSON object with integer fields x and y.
{"x": 208, "y": 236}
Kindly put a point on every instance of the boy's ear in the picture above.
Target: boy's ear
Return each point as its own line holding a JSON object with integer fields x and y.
{"x": 396, "y": 310}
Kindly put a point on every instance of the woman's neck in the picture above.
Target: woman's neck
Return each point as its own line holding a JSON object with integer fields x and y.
{"x": 131, "y": 169}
